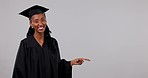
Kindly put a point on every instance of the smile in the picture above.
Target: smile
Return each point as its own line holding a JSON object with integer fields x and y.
{"x": 41, "y": 27}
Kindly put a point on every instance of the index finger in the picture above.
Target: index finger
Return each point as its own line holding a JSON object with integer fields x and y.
{"x": 85, "y": 59}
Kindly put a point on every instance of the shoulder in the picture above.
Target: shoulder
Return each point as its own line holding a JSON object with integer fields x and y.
{"x": 27, "y": 40}
{"x": 52, "y": 40}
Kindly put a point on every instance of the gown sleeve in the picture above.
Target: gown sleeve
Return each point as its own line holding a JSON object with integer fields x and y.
{"x": 19, "y": 67}
{"x": 64, "y": 67}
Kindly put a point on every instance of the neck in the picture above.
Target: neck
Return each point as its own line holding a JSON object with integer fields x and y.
{"x": 39, "y": 36}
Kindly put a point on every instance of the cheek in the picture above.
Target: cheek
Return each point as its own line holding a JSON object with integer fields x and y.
{"x": 34, "y": 25}
{"x": 44, "y": 23}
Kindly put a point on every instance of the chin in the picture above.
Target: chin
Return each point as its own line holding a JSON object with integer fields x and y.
{"x": 41, "y": 31}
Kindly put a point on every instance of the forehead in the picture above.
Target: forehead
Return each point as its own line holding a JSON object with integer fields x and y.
{"x": 38, "y": 16}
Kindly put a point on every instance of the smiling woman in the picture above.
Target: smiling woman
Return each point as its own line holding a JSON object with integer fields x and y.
{"x": 38, "y": 55}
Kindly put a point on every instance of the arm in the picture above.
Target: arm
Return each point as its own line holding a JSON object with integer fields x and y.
{"x": 19, "y": 67}
{"x": 64, "y": 67}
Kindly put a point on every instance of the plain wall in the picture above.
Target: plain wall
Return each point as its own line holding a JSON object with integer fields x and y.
{"x": 112, "y": 33}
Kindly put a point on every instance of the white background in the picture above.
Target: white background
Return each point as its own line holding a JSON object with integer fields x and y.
{"x": 112, "y": 33}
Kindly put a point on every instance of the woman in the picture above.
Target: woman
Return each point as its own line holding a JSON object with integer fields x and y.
{"x": 38, "y": 55}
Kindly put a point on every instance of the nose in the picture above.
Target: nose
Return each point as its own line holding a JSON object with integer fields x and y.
{"x": 40, "y": 23}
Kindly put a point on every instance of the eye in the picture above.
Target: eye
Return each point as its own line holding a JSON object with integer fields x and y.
{"x": 36, "y": 21}
{"x": 43, "y": 20}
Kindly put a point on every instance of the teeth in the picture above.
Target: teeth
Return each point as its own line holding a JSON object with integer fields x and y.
{"x": 40, "y": 27}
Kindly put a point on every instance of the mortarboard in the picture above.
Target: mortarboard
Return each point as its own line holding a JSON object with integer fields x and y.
{"x": 36, "y": 9}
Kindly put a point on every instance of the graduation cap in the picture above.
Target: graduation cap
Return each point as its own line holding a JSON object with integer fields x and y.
{"x": 36, "y": 9}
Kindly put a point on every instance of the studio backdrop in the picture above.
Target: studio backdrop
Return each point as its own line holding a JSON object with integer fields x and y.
{"x": 112, "y": 33}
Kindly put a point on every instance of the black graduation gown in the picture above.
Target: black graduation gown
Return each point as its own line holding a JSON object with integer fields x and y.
{"x": 34, "y": 61}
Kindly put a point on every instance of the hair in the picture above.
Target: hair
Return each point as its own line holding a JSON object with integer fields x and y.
{"x": 46, "y": 32}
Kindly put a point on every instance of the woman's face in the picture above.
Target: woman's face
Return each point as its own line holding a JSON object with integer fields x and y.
{"x": 38, "y": 22}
